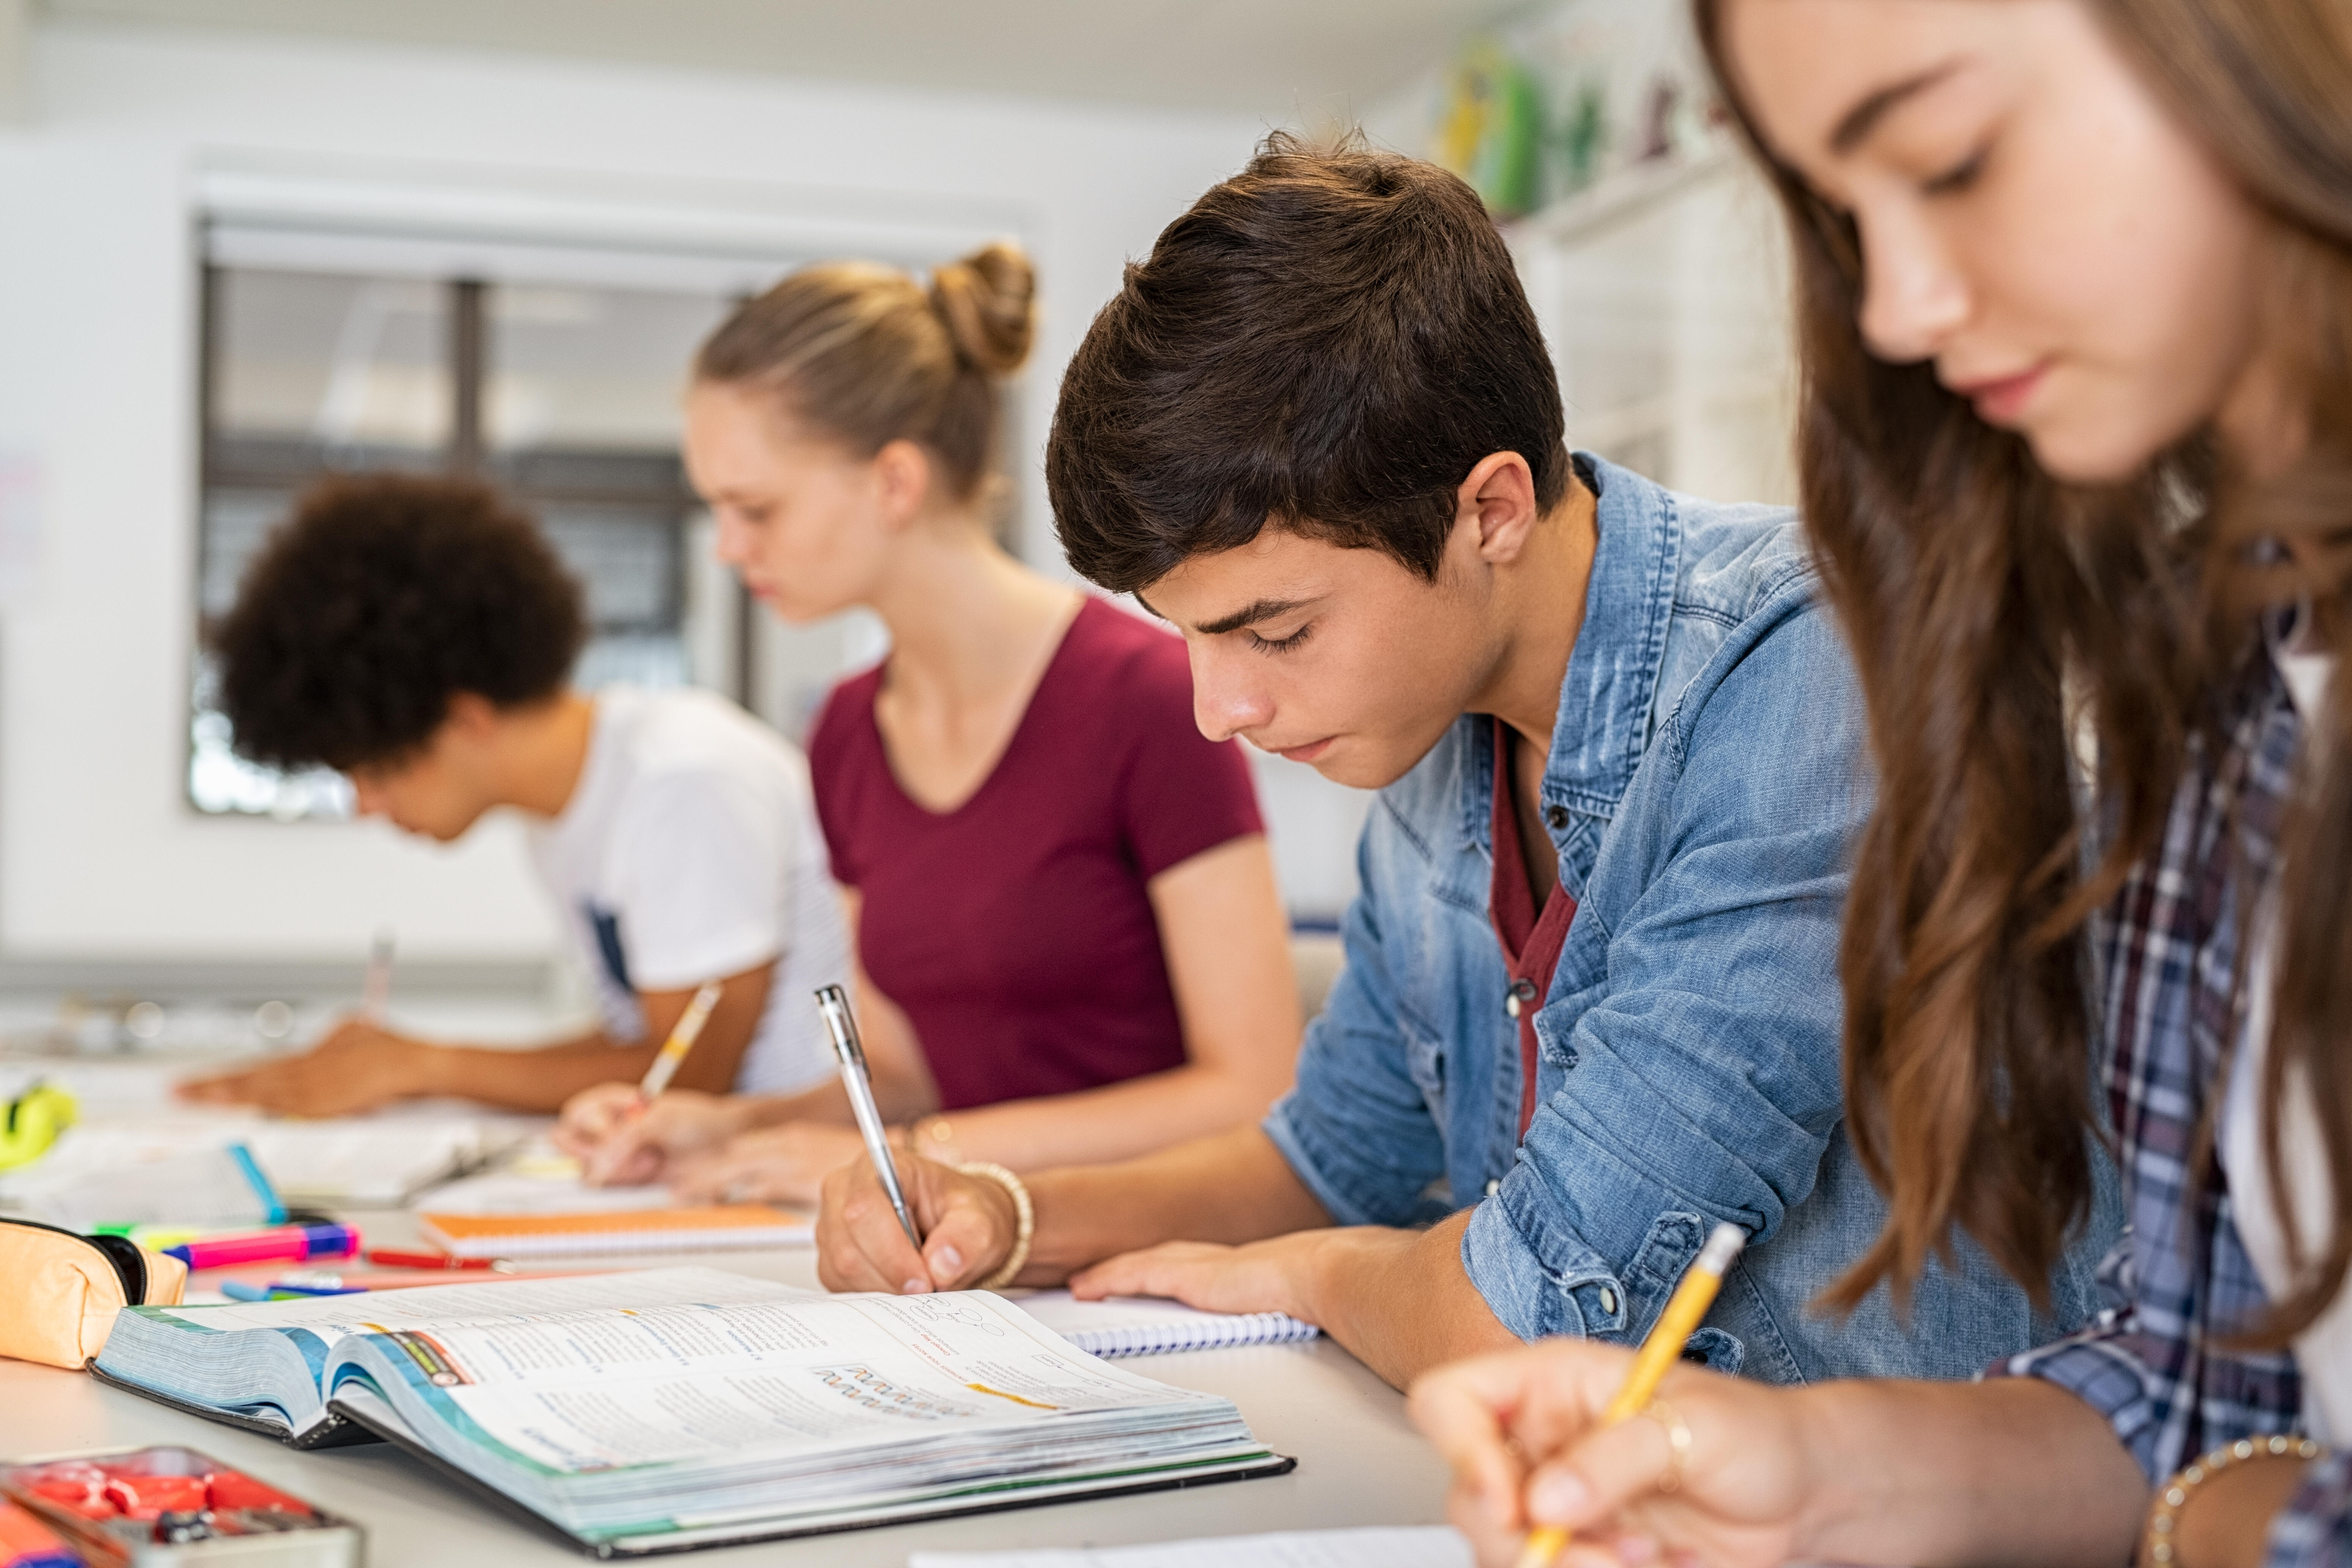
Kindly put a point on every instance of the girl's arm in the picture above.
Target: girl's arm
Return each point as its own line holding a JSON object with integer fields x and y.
{"x": 2012, "y": 1470}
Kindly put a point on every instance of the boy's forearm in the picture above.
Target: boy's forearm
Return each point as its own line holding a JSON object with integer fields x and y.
{"x": 1233, "y": 1188}
{"x": 1400, "y": 1300}
{"x": 531, "y": 1079}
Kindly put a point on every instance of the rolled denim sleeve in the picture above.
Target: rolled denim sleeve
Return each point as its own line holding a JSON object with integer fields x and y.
{"x": 1693, "y": 1051}
{"x": 1355, "y": 1128}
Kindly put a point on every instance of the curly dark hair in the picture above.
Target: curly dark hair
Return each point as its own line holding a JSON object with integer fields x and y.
{"x": 380, "y": 598}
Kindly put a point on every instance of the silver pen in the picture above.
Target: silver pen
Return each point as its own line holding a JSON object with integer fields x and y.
{"x": 833, "y": 1003}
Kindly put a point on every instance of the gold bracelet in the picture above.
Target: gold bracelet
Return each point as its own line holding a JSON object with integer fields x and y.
{"x": 1026, "y": 1219}
{"x": 2164, "y": 1517}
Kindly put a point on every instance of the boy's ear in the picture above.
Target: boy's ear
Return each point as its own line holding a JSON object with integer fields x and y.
{"x": 1499, "y": 498}
{"x": 471, "y": 714}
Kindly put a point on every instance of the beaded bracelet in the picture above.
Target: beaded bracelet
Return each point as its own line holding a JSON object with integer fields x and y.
{"x": 2174, "y": 1495}
{"x": 1024, "y": 1213}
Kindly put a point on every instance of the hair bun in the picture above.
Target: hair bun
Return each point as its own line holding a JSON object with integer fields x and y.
{"x": 988, "y": 301}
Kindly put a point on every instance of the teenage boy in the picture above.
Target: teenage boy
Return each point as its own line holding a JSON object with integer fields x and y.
{"x": 416, "y": 635}
{"x": 1591, "y": 1004}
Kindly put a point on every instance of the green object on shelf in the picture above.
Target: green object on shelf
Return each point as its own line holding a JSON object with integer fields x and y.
{"x": 34, "y": 1120}
{"x": 1585, "y": 136}
{"x": 1492, "y": 130}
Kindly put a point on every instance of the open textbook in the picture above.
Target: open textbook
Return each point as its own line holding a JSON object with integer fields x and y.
{"x": 681, "y": 1407}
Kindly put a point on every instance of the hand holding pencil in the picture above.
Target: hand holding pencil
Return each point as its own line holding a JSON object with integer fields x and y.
{"x": 603, "y": 1162}
{"x": 1569, "y": 1451}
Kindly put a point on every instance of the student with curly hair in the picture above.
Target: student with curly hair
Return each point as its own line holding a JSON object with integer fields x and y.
{"x": 416, "y": 635}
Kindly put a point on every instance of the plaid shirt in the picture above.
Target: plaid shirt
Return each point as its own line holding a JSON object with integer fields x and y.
{"x": 2179, "y": 1281}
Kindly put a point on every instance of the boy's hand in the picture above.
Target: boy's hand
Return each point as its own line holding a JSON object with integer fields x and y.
{"x": 968, "y": 1224}
{"x": 356, "y": 1067}
{"x": 1271, "y": 1276}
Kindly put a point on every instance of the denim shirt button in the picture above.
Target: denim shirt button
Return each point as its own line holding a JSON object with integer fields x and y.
{"x": 1494, "y": 1185}
{"x": 1609, "y": 1300}
{"x": 1556, "y": 817}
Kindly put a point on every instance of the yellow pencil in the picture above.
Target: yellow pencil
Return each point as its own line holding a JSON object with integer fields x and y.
{"x": 1658, "y": 1354}
{"x": 681, "y": 1040}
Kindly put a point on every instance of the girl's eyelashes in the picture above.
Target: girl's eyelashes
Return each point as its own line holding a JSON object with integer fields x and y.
{"x": 1280, "y": 644}
{"x": 1959, "y": 177}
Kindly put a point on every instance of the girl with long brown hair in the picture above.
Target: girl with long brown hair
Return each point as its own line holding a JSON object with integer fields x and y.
{"x": 2074, "y": 296}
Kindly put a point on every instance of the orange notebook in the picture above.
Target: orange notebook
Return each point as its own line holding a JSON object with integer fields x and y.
{"x": 634, "y": 1230}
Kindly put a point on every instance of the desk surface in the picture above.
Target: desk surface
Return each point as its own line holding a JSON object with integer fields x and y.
{"x": 1359, "y": 1460}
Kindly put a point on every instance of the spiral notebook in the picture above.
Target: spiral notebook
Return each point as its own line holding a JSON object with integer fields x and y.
{"x": 1145, "y": 1325}
{"x": 711, "y": 1229}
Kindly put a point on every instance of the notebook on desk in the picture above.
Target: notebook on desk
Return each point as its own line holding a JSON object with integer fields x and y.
{"x": 682, "y": 1407}
{"x": 617, "y": 1233}
{"x": 1147, "y": 1325}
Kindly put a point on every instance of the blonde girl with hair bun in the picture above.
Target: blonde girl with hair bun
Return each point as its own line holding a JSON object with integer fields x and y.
{"x": 1070, "y": 943}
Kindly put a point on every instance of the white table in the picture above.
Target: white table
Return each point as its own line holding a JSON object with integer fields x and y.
{"x": 1359, "y": 1460}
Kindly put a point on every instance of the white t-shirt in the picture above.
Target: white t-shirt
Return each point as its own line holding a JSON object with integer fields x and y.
{"x": 689, "y": 851}
{"x": 2323, "y": 1352}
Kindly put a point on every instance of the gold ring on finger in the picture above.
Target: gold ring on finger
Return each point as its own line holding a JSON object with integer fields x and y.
{"x": 1678, "y": 1443}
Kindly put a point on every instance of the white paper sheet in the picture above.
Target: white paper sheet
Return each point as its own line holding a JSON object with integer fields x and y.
{"x": 1434, "y": 1546}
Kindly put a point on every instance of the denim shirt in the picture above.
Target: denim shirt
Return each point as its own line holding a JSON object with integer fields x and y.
{"x": 1704, "y": 788}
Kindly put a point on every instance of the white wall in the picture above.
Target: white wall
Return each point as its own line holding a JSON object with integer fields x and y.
{"x": 99, "y": 856}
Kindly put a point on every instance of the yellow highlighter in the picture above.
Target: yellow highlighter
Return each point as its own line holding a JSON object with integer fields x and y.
{"x": 1657, "y": 1355}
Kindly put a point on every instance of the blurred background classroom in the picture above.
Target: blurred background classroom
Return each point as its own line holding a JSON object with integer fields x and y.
{"x": 248, "y": 242}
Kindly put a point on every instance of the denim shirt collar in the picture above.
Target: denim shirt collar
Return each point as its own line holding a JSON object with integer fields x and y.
{"x": 1603, "y": 724}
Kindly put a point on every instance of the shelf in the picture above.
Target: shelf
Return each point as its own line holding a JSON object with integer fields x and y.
{"x": 1620, "y": 197}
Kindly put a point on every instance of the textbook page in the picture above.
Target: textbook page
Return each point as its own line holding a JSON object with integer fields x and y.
{"x": 1433, "y": 1546}
{"x": 614, "y": 1388}
{"x": 332, "y": 1317}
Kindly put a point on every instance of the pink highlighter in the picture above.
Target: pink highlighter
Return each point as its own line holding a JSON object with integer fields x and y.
{"x": 287, "y": 1243}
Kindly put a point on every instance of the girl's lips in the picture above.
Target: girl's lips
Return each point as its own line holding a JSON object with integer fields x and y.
{"x": 2000, "y": 400}
{"x": 1308, "y": 754}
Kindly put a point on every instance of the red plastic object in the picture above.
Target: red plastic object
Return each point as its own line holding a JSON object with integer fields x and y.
{"x": 233, "y": 1492}
{"x": 145, "y": 1495}
{"x": 81, "y": 1488}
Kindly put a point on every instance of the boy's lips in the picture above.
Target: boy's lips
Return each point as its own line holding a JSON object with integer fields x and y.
{"x": 1307, "y": 753}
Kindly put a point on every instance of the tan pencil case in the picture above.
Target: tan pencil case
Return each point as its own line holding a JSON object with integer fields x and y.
{"x": 62, "y": 1291}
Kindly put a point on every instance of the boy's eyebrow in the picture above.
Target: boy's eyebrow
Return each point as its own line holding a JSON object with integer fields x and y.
{"x": 1263, "y": 610}
{"x": 1864, "y": 117}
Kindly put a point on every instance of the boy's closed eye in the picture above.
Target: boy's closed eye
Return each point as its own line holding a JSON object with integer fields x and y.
{"x": 1265, "y": 644}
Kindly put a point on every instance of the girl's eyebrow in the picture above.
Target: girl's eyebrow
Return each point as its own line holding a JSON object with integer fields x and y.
{"x": 1864, "y": 118}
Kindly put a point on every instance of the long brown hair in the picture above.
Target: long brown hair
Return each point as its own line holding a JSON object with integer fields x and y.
{"x": 1990, "y": 608}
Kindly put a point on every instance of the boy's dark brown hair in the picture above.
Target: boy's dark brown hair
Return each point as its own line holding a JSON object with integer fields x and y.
{"x": 1329, "y": 341}
{"x": 380, "y": 598}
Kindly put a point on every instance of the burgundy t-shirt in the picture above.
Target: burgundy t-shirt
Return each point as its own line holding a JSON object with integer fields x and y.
{"x": 1014, "y": 930}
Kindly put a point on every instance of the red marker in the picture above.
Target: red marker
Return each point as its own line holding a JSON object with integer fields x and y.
{"x": 390, "y": 1259}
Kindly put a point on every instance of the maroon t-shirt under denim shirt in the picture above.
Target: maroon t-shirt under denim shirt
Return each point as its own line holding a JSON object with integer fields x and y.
{"x": 1016, "y": 930}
